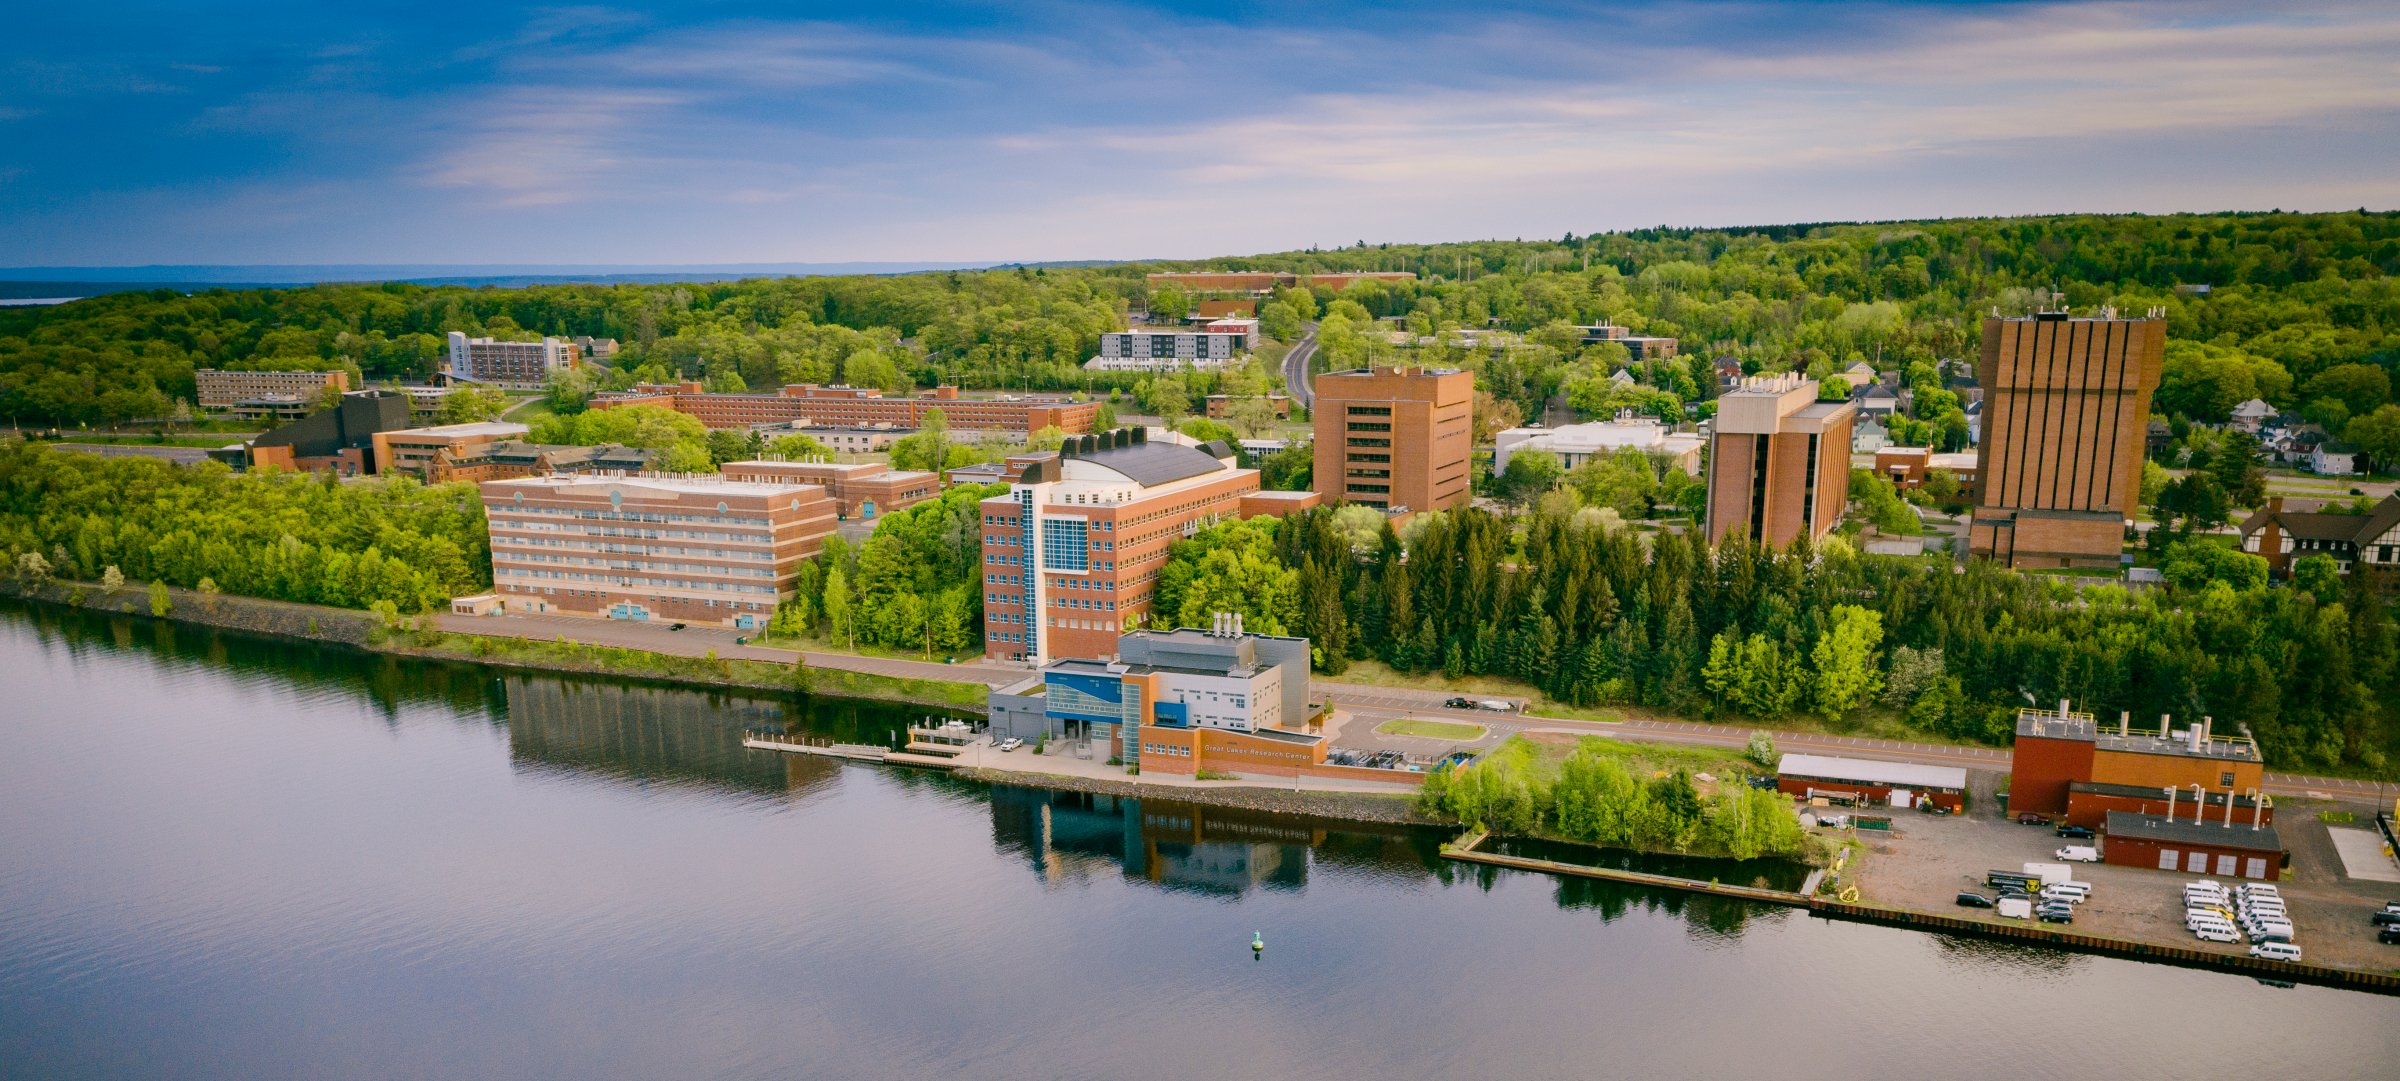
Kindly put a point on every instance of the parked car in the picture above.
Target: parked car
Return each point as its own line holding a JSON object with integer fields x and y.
{"x": 2079, "y": 854}
{"x": 2215, "y": 934}
{"x": 676, "y": 627}
{"x": 1459, "y": 703}
{"x": 2079, "y": 833}
{"x": 2389, "y": 936}
{"x": 2276, "y": 951}
{"x": 1974, "y": 900}
{"x": 2386, "y": 918}
{"x": 1011, "y": 743}
{"x": 2033, "y": 818}
{"x": 2056, "y": 915}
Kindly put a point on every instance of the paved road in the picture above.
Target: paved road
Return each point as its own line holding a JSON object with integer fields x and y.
{"x": 1295, "y": 367}
{"x": 1378, "y": 702}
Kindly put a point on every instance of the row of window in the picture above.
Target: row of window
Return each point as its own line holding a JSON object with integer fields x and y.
{"x": 630, "y": 581}
{"x": 511, "y": 543}
{"x": 506, "y": 558}
{"x": 634, "y": 516}
{"x": 1175, "y": 750}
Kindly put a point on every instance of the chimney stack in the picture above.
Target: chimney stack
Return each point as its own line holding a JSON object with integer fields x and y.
{"x": 2170, "y": 803}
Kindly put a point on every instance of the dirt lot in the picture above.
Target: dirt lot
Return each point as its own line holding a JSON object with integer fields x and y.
{"x": 1930, "y": 859}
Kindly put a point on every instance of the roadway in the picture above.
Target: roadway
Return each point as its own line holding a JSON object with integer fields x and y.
{"x": 1370, "y": 702}
{"x": 1295, "y": 367}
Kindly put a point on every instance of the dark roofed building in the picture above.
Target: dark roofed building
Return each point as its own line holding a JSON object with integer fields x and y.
{"x": 2281, "y": 536}
{"x": 2192, "y": 846}
{"x": 338, "y": 440}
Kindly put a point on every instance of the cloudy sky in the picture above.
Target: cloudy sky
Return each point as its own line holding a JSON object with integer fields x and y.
{"x": 445, "y": 132}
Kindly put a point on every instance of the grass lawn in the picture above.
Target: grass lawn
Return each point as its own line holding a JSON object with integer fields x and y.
{"x": 1411, "y": 726}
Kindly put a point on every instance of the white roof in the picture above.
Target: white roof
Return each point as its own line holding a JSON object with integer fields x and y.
{"x": 1868, "y": 771}
{"x": 481, "y": 427}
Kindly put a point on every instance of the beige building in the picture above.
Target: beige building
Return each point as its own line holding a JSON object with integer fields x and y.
{"x": 1395, "y": 437}
{"x": 264, "y": 394}
{"x": 683, "y": 549}
{"x": 859, "y": 490}
{"x": 1575, "y": 444}
{"x": 1779, "y": 466}
{"x": 515, "y": 365}
{"x": 2066, "y": 408}
{"x": 435, "y": 455}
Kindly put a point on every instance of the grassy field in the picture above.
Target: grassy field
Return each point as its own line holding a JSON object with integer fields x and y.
{"x": 1451, "y": 730}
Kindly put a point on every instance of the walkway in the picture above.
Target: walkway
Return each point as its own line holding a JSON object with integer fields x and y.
{"x": 697, "y": 640}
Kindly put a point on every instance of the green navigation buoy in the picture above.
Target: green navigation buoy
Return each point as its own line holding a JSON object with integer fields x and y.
{"x": 1258, "y": 943}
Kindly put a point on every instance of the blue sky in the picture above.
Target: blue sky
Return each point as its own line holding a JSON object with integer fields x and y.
{"x": 440, "y": 132}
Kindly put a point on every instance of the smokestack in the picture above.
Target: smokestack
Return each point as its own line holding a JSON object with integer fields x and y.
{"x": 2258, "y": 809}
{"x": 2170, "y": 803}
{"x": 2125, "y": 723}
{"x": 2228, "y": 808}
{"x": 2199, "y": 806}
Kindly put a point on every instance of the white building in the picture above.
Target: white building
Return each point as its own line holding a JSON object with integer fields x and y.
{"x": 514, "y": 365}
{"x": 2252, "y": 415}
{"x": 1575, "y": 444}
{"x": 2333, "y": 460}
{"x": 1168, "y": 349}
{"x": 1869, "y": 436}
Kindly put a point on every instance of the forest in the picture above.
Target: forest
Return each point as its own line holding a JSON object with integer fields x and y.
{"x": 2300, "y": 309}
{"x": 1595, "y": 613}
{"x": 914, "y": 585}
{"x": 283, "y": 536}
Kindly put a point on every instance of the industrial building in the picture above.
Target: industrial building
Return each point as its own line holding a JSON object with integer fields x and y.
{"x": 861, "y": 490}
{"x": 2065, "y": 415}
{"x": 1779, "y": 463}
{"x": 808, "y": 405}
{"x": 446, "y": 452}
{"x": 1637, "y": 346}
{"x": 2090, "y": 802}
{"x": 1073, "y": 551}
{"x": 1892, "y": 784}
{"x": 696, "y": 549}
{"x": 2056, "y": 749}
{"x": 2198, "y": 847}
{"x": 514, "y": 365}
{"x": 1395, "y": 437}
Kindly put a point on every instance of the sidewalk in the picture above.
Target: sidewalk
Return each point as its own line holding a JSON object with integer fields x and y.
{"x": 697, "y": 640}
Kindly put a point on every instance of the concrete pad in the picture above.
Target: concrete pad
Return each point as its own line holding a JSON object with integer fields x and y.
{"x": 2362, "y": 855}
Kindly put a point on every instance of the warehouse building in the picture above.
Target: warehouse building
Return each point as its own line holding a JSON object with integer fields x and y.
{"x": 1893, "y": 784}
{"x": 2206, "y": 847}
{"x": 2089, "y": 803}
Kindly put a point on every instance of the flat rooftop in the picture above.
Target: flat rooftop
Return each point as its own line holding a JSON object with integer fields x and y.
{"x": 670, "y": 485}
{"x": 2043, "y": 724}
{"x": 461, "y": 431}
{"x": 1870, "y": 771}
{"x": 2183, "y": 831}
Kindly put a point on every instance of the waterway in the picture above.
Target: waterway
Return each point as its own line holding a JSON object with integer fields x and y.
{"x": 224, "y": 857}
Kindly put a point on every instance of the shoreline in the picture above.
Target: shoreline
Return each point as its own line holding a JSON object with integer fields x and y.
{"x": 364, "y": 632}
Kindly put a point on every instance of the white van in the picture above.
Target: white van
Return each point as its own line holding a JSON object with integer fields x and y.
{"x": 2215, "y": 934}
{"x": 2271, "y": 934}
{"x": 2079, "y": 854}
{"x": 2276, "y": 951}
{"x": 2206, "y": 919}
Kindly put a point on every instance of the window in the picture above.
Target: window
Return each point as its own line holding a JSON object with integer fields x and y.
{"x": 2226, "y": 779}
{"x": 1064, "y": 544}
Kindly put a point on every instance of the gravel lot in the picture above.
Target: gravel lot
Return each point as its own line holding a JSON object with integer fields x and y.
{"x": 1931, "y": 858}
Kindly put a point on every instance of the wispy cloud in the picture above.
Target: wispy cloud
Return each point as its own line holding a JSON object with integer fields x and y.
{"x": 1096, "y": 130}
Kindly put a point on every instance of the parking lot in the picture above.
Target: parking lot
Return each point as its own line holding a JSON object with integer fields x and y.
{"x": 1930, "y": 859}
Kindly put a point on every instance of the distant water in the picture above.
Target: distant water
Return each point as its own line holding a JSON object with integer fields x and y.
{"x": 33, "y": 302}
{"x": 223, "y": 857}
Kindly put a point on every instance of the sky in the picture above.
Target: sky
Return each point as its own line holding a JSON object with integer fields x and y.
{"x": 711, "y": 133}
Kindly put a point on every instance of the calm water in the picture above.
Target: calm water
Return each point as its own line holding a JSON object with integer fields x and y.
{"x": 221, "y": 858}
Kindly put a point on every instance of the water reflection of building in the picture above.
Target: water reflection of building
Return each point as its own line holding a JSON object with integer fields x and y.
{"x": 1067, "y": 836}
{"x": 648, "y": 733}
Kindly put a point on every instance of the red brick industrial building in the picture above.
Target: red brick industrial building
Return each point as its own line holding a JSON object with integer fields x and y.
{"x": 1872, "y": 782}
{"x": 2054, "y": 750}
{"x": 2207, "y": 847}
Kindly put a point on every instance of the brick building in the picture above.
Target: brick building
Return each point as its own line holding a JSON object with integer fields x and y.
{"x": 340, "y": 439}
{"x": 1072, "y": 553}
{"x": 2066, "y": 409}
{"x": 515, "y": 365}
{"x": 265, "y": 393}
{"x": 1882, "y": 784}
{"x": 1261, "y": 282}
{"x": 1779, "y": 463}
{"x": 1395, "y": 437}
{"x": 2056, "y": 749}
{"x": 808, "y": 404}
{"x": 861, "y": 490}
{"x": 1637, "y": 346}
{"x": 696, "y": 549}
{"x": 2202, "y": 847}
{"x": 444, "y": 453}
{"x": 2089, "y": 804}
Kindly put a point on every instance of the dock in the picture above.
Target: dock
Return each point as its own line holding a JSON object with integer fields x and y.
{"x": 855, "y": 752}
{"x": 1464, "y": 850}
